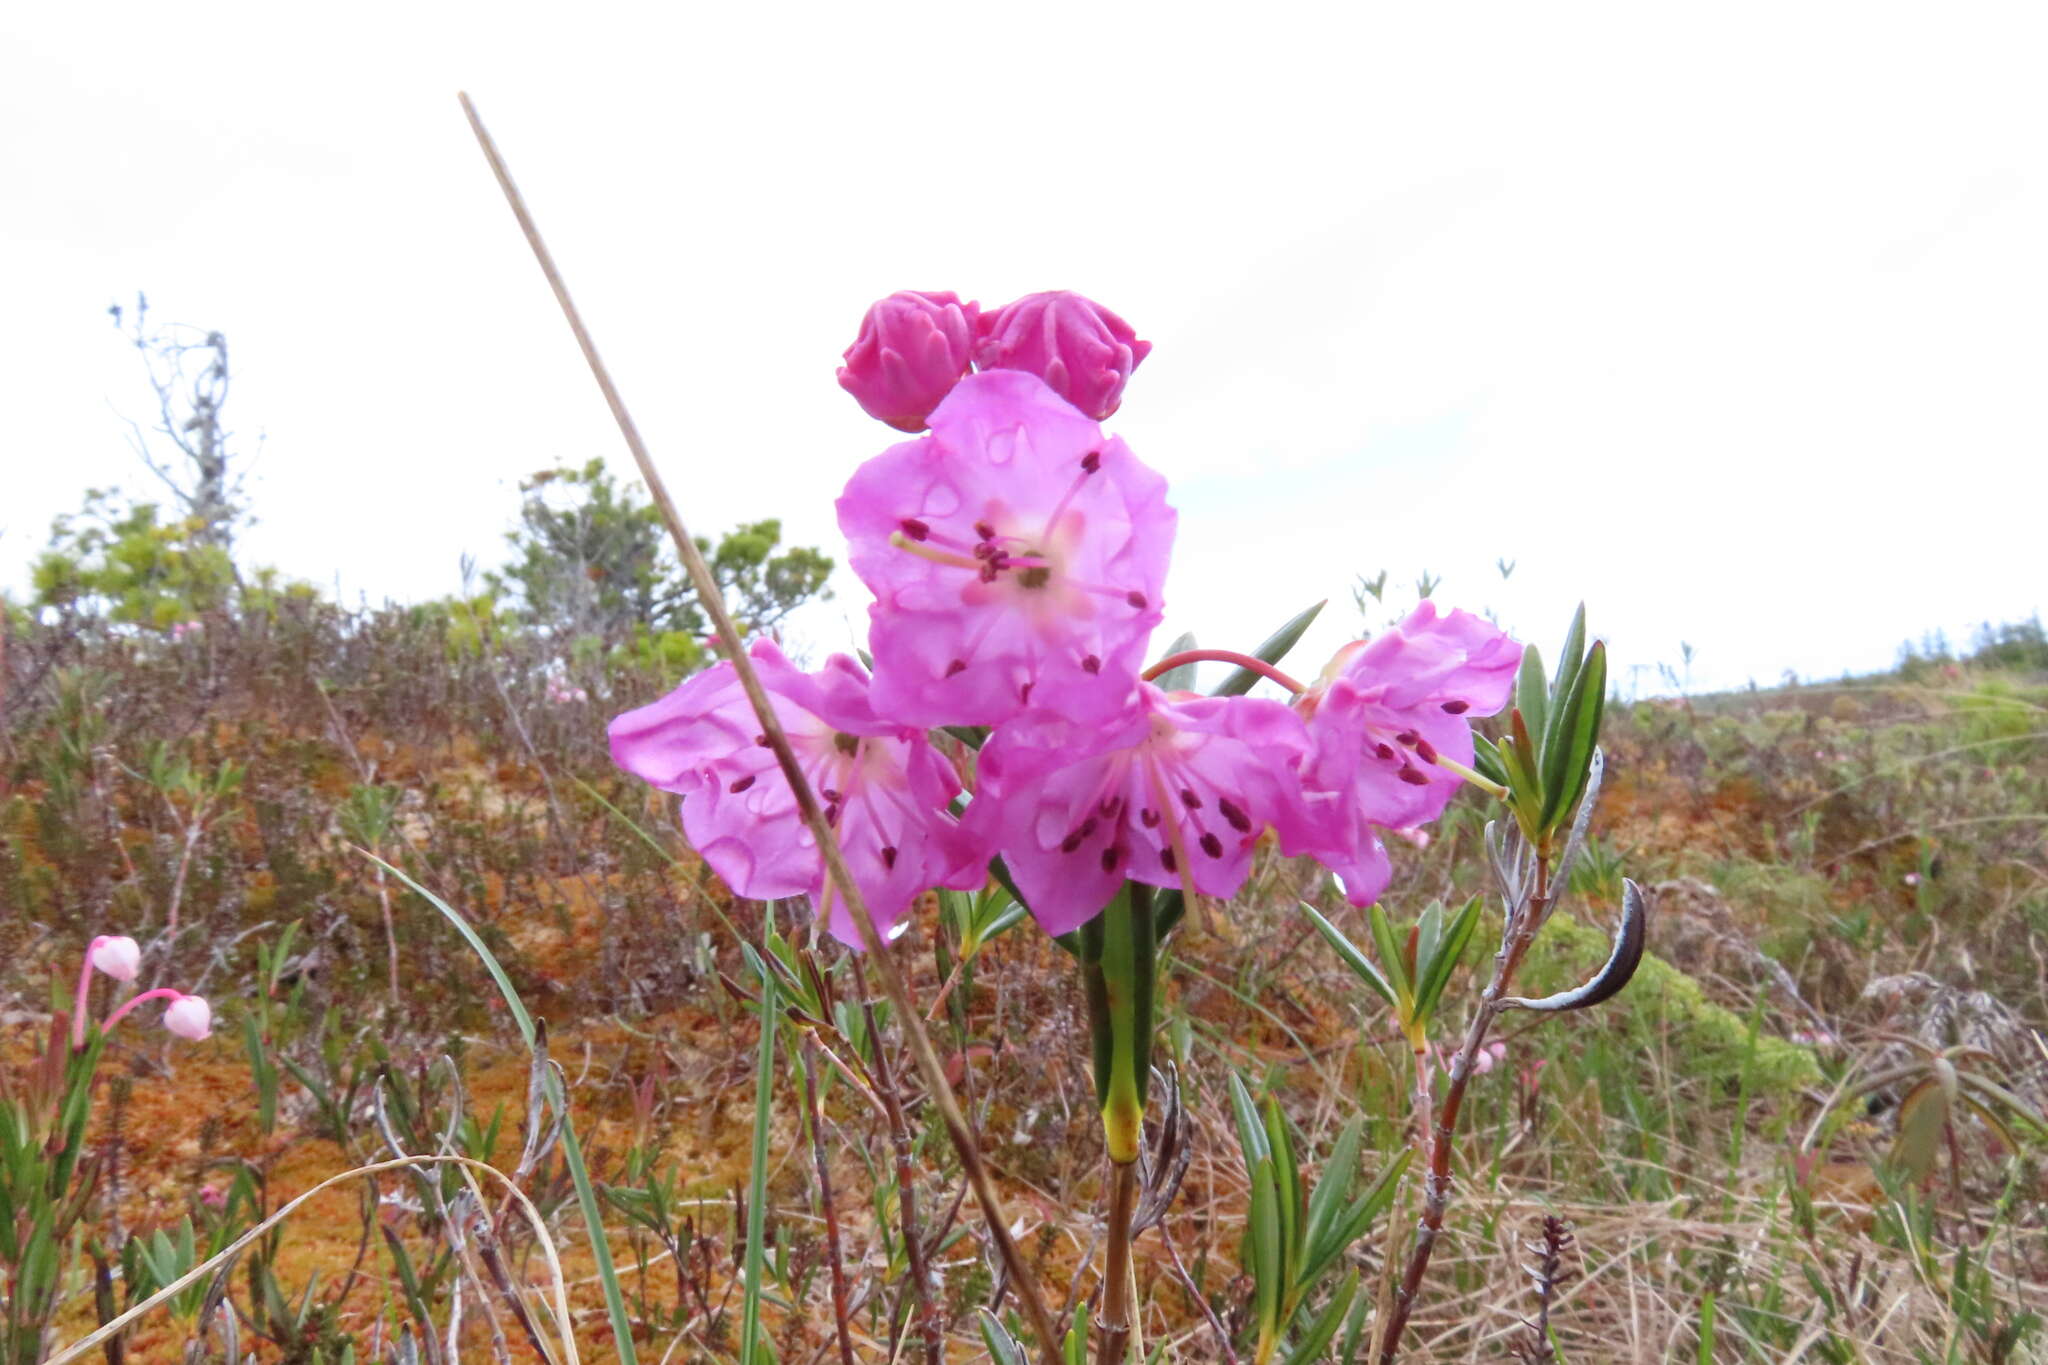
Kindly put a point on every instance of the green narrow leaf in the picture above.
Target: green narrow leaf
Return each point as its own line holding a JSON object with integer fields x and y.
{"x": 1450, "y": 949}
{"x": 1486, "y": 760}
{"x": 1572, "y": 655}
{"x": 1393, "y": 958}
{"x": 1181, "y": 679}
{"x": 757, "y": 1171}
{"x": 1568, "y": 750}
{"x": 1276, "y": 648}
{"x": 1336, "y": 1178}
{"x": 1532, "y": 690}
{"x": 1251, "y": 1133}
{"x": 1348, "y": 953}
{"x": 1320, "y": 1332}
{"x": 1263, "y": 1228}
{"x": 1287, "y": 1191}
{"x": 1002, "y": 1347}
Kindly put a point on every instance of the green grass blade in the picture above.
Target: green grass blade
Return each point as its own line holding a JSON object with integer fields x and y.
{"x": 757, "y": 1174}
{"x": 572, "y": 1149}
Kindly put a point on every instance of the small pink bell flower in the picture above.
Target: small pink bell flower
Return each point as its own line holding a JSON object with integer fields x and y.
{"x": 1084, "y": 352}
{"x": 189, "y": 1017}
{"x": 912, "y": 349}
{"x": 117, "y": 955}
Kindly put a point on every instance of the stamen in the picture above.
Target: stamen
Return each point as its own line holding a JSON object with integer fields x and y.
{"x": 1136, "y": 599}
{"x": 1457, "y": 708}
{"x": 846, "y": 744}
{"x": 1166, "y": 859}
{"x": 1189, "y": 799}
{"x": 957, "y": 666}
{"x": 1409, "y": 738}
{"x": 1385, "y": 751}
{"x": 1110, "y": 807}
{"x": 1149, "y": 816}
{"x": 832, "y": 798}
{"x": 936, "y": 556}
{"x": 1234, "y": 813}
{"x": 1412, "y": 777}
{"x": 985, "y": 531}
{"x": 1092, "y": 461}
{"x": 916, "y": 529}
{"x": 740, "y": 784}
{"x": 889, "y": 856}
{"x": 1091, "y": 664}
{"x": 1071, "y": 842}
{"x": 1110, "y": 857}
{"x": 1425, "y": 751}
{"x": 1212, "y": 845}
{"x": 761, "y": 740}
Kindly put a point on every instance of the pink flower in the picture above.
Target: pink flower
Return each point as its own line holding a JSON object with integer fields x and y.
{"x": 886, "y": 789}
{"x": 1173, "y": 794}
{"x": 1383, "y": 714}
{"x": 117, "y": 955}
{"x": 1488, "y": 1057}
{"x": 912, "y": 349}
{"x": 1016, "y": 556}
{"x": 213, "y": 1196}
{"x": 184, "y": 628}
{"x": 189, "y": 1017}
{"x": 1078, "y": 347}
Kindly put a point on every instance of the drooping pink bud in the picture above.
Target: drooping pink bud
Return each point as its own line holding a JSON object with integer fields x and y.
{"x": 117, "y": 955}
{"x": 190, "y": 1017}
{"x": 912, "y": 348}
{"x": 1080, "y": 349}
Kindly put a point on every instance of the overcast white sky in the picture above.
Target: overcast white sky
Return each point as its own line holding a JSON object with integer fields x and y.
{"x": 1729, "y": 319}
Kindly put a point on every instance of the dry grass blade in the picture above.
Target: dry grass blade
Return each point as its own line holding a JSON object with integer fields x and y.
{"x": 840, "y": 878}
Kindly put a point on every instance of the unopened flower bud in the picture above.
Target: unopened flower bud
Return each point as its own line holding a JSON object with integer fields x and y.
{"x": 190, "y": 1017}
{"x": 1080, "y": 349}
{"x": 117, "y": 955}
{"x": 912, "y": 348}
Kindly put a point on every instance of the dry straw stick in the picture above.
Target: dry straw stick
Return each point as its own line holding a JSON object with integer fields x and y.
{"x": 964, "y": 1142}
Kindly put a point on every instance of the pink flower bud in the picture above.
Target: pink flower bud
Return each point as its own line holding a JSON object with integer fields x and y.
{"x": 1080, "y": 349}
{"x": 912, "y": 348}
{"x": 117, "y": 955}
{"x": 213, "y": 1196}
{"x": 190, "y": 1017}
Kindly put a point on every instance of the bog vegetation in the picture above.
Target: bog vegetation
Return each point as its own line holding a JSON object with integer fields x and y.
{"x": 440, "y": 934}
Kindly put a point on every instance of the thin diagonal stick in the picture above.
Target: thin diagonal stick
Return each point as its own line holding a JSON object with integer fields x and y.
{"x": 1021, "y": 1280}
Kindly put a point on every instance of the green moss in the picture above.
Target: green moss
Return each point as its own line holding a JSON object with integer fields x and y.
{"x": 1665, "y": 1010}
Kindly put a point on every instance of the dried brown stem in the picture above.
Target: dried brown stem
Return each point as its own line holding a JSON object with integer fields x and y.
{"x": 1115, "y": 1342}
{"x": 1436, "y": 1181}
{"x": 1022, "y": 1283}
{"x": 840, "y": 1304}
{"x": 921, "y": 1286}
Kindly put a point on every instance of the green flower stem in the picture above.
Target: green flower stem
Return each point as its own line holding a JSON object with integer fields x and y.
{"x": 1118, "y": 968}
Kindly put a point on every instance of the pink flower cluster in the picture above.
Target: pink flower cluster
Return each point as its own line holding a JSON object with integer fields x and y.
{"x": 1017, "y": 555}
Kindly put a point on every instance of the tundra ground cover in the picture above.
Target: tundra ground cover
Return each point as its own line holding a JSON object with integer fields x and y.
{"x": 1837, "y": 869}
